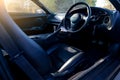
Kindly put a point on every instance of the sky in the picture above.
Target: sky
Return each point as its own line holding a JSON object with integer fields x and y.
{"x": 100, "y": 3}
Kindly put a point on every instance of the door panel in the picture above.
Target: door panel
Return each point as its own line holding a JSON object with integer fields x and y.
{"x": 31, "y": 18}
{"x": 32, "y": 23}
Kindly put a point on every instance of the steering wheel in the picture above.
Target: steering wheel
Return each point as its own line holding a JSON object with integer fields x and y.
{"x": 77, "y": 21}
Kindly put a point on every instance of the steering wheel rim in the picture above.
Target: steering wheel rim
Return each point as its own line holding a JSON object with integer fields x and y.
{"x": 66, "y": 22}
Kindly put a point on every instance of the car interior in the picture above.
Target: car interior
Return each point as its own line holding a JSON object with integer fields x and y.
{"x": 85, "y": 45}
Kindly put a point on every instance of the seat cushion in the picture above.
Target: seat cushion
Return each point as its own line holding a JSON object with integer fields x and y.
{"x": 60, "y": 53}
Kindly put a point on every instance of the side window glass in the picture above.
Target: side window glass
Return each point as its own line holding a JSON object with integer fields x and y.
{"x": 22, "y": 6}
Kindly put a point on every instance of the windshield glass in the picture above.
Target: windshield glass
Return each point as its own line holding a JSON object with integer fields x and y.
{"x": 63, "y": 5}
{"x": 56, "y": 6}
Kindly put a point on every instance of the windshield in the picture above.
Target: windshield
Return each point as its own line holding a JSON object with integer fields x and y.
{"x": 63, "y": 5}
{"x": 56, "y": 6}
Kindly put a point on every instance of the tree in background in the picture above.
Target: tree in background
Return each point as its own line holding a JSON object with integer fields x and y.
{"x": 53, "y": 5}
{"x": 50, "y": 4}
{"x": 91, "y": 2}
{"x": 63, "y": 5}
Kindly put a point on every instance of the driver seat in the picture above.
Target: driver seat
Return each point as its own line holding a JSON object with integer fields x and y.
{"x": 16, "y": 42}
{"x": 36, "y": 56}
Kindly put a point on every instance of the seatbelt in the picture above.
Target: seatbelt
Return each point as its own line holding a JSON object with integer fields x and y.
{"x": 4, "y": 69}
{"x": 17, "y": 56}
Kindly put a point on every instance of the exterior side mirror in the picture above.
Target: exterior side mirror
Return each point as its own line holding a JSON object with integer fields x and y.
{"x": 40, "y": 11}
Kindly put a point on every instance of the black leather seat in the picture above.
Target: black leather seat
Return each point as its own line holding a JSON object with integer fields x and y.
{"x": 34, "y": 53}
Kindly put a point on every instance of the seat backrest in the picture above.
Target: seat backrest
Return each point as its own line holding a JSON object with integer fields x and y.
{"x": 32, "y": 51}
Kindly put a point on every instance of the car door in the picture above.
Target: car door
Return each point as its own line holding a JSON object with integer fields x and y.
{"x": 31, "y": 18}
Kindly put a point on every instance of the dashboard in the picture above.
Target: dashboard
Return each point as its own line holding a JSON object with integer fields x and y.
{"x": 103, "y": 24}
{"x": 99, "y": 31}
{"x": 99, "y": 16}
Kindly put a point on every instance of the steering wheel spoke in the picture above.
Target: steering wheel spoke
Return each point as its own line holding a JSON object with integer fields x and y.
{"x": 84, "y": 17}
